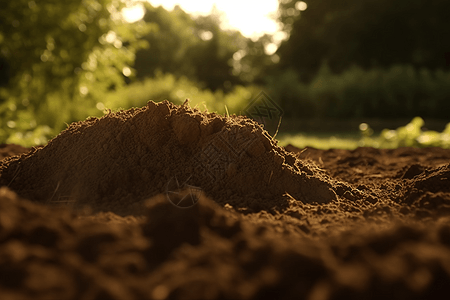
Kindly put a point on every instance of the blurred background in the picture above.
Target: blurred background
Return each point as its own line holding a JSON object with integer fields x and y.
{"x": 339, "y": 74}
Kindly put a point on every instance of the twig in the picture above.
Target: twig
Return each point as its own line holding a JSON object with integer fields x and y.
{"x": 278, "y": 127}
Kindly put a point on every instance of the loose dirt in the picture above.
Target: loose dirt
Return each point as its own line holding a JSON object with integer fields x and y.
{"x": 168, "y": 202}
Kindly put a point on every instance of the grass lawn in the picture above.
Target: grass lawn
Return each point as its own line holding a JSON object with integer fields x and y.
{"x": 350, "y": 134}
{"x": 321, "y": 140}
{"x": 324, "y": 134}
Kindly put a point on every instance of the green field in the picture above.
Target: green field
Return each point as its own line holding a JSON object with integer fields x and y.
{"x": 349, "y": 135}
{"x": 320, "y": 141}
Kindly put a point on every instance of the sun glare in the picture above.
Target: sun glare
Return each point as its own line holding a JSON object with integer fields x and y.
{"x": 134, "y": 13}
{"x": 251, "y": 17}
{"x": 301, "y": 6}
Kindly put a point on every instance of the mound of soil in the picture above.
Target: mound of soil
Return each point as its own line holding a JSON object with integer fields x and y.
{"x": 122, "y": 158}
{"x": 167, "y": 202}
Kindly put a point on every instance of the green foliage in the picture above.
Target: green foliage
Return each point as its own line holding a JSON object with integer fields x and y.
{"x": 196, "y": 48}
{"x": 320, "y": 141}
{"x": 252, "y": 63}
{"x": 410, "y": 135}
{"x": 291, "y": 94}
{"x": 396, "y": 92}
{"x": 176, "y": 90}
{"x": 60, "y": 56}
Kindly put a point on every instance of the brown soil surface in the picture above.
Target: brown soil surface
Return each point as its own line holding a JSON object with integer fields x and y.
{"x": 167, "y": 202}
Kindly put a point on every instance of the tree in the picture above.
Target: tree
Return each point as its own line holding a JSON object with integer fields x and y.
{"x": 59, "y": 55}
{"x": 186, "y": 46}
{"x": 213, "y": 55}
{"x": 168, "y": 43}
{"x": 367, "y": 33}
{"x": 253, "y": 63}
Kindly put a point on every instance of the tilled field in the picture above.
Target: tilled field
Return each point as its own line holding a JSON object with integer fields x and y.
{"x": 167, "y": 202}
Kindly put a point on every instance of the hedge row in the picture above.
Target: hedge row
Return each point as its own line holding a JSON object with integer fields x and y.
{"x": 398, "y": 92}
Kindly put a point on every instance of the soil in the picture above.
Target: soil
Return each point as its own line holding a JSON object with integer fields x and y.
{"x": 168, "y": 202}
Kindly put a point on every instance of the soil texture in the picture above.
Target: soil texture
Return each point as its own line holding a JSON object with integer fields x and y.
{"x": 168, "y": 202}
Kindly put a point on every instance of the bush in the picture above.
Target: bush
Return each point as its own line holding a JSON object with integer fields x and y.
{"x": 398, "y": 92}
{"x": 168, "y": 87}
{"x": 410, "y": 135}
{"x": 292, "y": 95}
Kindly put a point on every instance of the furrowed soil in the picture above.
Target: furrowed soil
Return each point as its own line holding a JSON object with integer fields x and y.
{"x": 168, "y": 202}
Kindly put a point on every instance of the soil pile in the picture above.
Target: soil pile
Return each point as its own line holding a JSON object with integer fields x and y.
{"x": 261, "y": 221}
{"x": 123, "y": 158}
